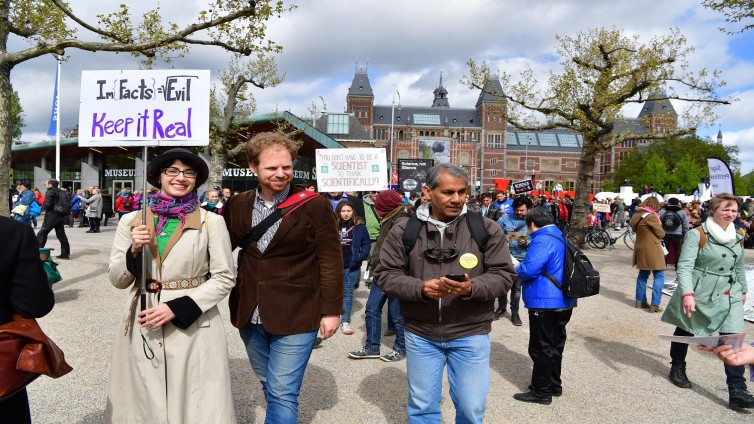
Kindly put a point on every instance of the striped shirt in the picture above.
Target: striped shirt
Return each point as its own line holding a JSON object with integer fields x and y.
{"x": 262, "y": 209}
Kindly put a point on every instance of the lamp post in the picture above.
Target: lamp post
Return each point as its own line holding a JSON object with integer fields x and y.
{"x": 526, "y": 157}
{"x": 324, "y": 110}
{"x": 392, "y": 133}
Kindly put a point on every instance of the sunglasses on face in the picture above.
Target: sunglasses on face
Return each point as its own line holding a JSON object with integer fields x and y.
{"x": 173, "y": 172}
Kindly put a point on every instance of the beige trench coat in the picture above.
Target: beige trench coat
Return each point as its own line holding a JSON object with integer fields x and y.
{"x": 188, "y": 380}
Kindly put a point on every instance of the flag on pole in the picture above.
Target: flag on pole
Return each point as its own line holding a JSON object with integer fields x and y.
{"x": 720, "y": 177}
{"x": 53, "y": 128}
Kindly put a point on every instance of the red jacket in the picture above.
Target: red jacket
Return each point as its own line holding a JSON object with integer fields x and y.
{"x": 120, "y": 203}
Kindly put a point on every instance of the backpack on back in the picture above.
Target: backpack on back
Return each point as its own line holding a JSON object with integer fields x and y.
{"x": 671, "y": 220}
{"x": 580, "y": 279}
{"x": 63, "y": 204}
{"x": 473, "y": 219}
{"x": 128, "y": 203}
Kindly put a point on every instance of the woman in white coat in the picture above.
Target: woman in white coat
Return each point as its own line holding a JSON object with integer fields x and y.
{"x": 170, "y": 360}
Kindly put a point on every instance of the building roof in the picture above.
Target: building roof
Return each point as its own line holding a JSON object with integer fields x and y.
{"x": 657, "y": 104}
{"x": 426, "y": 116}
{"x": 360, "y": 85}
{"x": 492, "y": 91}
{"x": 554, "y": 140}
{"x": 338, "y": 130}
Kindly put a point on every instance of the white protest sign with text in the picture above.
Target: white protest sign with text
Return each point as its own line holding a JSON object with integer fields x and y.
{"x": 144, "y": 108}
{"x": 359, "y": 169}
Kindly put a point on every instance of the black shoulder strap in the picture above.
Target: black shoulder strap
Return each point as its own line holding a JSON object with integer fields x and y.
{"x": 474, "y": 220}
{"x": 478, "y": 232}
{"x": 411, "y": 233}
{"x": 290, "y": 204}
{"x": 547, "y": 274}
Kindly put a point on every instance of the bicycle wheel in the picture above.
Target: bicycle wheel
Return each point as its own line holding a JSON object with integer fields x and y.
{"x": 599, "y": 240}
{"x": 630, "y": 239}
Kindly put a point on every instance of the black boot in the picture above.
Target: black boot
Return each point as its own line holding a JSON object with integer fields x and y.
{"x": 740, "y": 398}
{"x": 515, "y": 319}
{"x": 677, "y": 375}
{"x": 500, "y": 311}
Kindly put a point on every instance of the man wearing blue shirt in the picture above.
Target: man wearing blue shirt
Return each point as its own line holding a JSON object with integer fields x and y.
{"x": 515, "y": 230}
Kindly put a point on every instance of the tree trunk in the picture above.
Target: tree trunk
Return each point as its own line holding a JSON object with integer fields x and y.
{"x": 6, "y": 138}
{"x": 217, "y": 163}
{"x": 584, "y": 185}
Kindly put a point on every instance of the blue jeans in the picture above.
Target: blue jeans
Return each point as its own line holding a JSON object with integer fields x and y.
{"x": 468, "y": 360}
{"x": 657, "y": 283}
{"x": 349, "y": 280}
{"x": 279, "y": 362}
{"x": 373, "y": 312}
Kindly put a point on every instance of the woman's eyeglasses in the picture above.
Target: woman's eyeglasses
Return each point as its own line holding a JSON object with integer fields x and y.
{"x": 441, "y": 254}
{"x": 173, "y": 172}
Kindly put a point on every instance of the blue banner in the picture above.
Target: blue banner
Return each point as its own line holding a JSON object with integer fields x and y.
{"x": 53, "y": 129}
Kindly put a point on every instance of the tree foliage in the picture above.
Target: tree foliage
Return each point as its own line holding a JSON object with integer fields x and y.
{"x": 604, "y": 70}
{"x": 684, "y": 158}
{"x": 16, "y": 116}
{"x": 736, "y": 12}
{"x": 50, "y": 27}
{"x": 235, "y": 101}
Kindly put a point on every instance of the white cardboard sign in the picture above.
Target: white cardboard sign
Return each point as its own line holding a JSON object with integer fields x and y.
{"x": 167, "y": 107}
{"x": 358, "y": 169}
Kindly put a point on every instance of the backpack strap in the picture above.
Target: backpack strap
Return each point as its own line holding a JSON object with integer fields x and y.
{"x": 550, "y": 276}
{"x": 474, "y": 220}
{"x": 702, "y": 237}
{"x": 289, "y": 205}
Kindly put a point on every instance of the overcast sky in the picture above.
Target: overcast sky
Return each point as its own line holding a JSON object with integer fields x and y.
{"x": 407, "y": 45}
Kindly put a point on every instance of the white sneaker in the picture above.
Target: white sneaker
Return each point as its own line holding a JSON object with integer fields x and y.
{"x": 346, "y": 328}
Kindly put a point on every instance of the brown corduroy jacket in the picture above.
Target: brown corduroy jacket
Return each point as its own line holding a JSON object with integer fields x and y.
{"x": 298, "y": 278}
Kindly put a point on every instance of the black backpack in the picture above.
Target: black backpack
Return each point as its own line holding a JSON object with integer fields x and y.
{"x": 473, "y": 219}
{"x": 671, "y": 220}
{"x": 580, "y": 279}
{"x": 63, "y": 204}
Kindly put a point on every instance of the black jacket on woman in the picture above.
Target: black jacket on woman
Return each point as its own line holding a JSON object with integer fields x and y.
{"x": 23, "y": 290}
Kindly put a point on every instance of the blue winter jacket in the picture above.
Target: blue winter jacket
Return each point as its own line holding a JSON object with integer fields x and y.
{"x": 544, "y": 253}
{"x": 359, "y": 248}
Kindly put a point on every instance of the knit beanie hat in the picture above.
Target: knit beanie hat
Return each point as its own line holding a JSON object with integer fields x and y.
{"x": 386, "y": 202}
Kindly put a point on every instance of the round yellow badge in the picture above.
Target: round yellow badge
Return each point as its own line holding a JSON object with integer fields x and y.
{"x": 468, "y": 260}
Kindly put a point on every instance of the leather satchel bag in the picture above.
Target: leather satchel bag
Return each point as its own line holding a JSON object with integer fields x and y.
{"x": 25, "y": 354}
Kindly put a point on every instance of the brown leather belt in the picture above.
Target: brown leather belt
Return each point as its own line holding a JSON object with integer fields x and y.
{"x": 156, "y": 286}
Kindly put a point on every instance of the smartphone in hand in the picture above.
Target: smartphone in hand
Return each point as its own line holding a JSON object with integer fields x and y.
{"x": 456, "y": 277}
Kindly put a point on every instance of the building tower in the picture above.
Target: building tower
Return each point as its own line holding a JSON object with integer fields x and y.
{"x": 492, "y": 111}
{"x": 658, "y": 114}
{"x": 360, "y": 99}
{"x": 441, "y": 96}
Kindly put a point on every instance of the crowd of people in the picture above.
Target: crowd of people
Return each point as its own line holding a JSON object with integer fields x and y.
{"x": 439, "y": 259}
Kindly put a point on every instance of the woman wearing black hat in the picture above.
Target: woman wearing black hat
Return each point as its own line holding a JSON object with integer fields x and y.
{"x": 170, "y": 361}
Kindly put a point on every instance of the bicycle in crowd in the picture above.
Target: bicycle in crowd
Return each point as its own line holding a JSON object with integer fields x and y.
{"x": 600, "y": 238}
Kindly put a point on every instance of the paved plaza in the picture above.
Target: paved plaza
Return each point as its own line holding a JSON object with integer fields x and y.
{"x": 614, "y": 367}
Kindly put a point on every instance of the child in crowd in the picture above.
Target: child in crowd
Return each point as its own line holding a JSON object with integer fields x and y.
{"x": 354, "y": 239}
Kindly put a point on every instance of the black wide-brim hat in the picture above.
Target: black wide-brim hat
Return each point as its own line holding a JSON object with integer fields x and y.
{"x": 156, "y": 165}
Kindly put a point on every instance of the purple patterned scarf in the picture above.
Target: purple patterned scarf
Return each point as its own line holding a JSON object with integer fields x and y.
{"x": 166, "y": 207}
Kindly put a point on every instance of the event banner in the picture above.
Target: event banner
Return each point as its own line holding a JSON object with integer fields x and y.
{"x": 167, "y": 107}
{"x": 358, "y": 169}
{"x": 524, "y": 186}
{"x": 412, "y": 174}
{"x": 720, "y": 177}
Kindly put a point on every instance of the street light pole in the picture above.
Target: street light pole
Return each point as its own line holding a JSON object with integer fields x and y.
{"x": 392, "y": 132}
{"x": 324, "y": 110}
{"x": 526, "y": 157}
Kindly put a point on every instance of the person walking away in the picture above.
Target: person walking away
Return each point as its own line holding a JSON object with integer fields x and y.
{"x": 93, "y": 209}
{"x": 388, "y": 206}
{"x": 675, "y": 223}
{"x": 170, "y": 360}
{"x": 290, "y": 281}
{"x": 648, "y": 254}
{"x": 24, "y": 290}
{"x": 125, "y": 202}
{"x": 57, "y": 208}
{"x": 711, "y": 293}
{"x": 514, "y": 226}
{"x": 40, "y": 199}
{"x": 549, "y": 309}
{"x": 447, "y": 322}
{"x": 107, "y": 206}
{"x": 354, "y": 241}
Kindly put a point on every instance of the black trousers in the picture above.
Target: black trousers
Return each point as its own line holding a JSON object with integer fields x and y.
{"x": 94, "y": 223}
{"x": 734, "y": 376}
{"x": 546, "y": 343}
{"x": 56, "y": 222}
{"x": 675, "y": 240}
{"x": 515, "y": 297}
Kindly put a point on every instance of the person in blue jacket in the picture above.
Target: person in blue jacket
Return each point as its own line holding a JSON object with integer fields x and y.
{"x": 354, "y": 239}
{"x": 25, "y": 197}
{"x": 549, "y": 309}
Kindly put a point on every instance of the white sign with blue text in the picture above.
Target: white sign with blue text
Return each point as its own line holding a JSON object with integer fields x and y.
{"x": 144, "y": 108}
